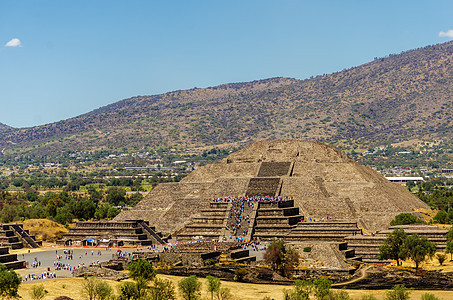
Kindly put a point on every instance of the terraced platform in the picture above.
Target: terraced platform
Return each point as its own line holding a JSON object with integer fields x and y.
{"x": 136, "y": 232}
{"x": 321, "y": 180}
{"x": 14, "y": 236}
{"x": 10, "y": 260}
{"x": 367, "y": 246}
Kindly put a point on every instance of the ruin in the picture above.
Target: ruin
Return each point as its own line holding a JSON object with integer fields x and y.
{"x": 294, "y": 190}
{"x": 10, "y": 260}
{"x": 331, "y": 195}
{"x": 135, "y": 233}
{"x": 14, "y": 236}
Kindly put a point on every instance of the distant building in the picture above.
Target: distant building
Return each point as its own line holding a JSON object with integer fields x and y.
{"x": 404, "y": 179}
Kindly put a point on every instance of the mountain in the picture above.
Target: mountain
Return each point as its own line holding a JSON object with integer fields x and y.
{"x": 394, "y": 98}
{"x": 4, "y": 127}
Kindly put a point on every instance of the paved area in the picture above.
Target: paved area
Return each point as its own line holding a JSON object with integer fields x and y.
{"x": 57, "y": 262}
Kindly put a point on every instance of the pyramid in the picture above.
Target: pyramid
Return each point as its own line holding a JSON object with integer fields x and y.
{"x": 322, "y": 181}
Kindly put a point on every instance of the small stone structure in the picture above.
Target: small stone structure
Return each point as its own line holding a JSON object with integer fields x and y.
{"x": 101, "y": 272}
{"x": 14, "y": 236}
{"x": 118, "y": 233}
{"x": 367, "y": 246}
{"x": 10, "y": 260}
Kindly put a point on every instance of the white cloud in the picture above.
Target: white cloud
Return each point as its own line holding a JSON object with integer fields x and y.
{"x": 14, "y": 43}
{"x": 448, "y": 34}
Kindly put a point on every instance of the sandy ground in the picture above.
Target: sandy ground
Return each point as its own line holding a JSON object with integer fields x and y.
{"x": 72, "y": 287}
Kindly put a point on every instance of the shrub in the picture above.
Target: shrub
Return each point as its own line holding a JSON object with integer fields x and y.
{"x": 163, "y": 289}
{"x": 189, "y": 288}
{"x": 441, "y": 217}
{"x": 404, "y": 219}
{"x": 307, "y": 249}
{"x": 368, "y": 297}
{"x": 9, "y": 283}
{"x": 38, "y": 292}
{"x": 428, "y": 296}
{"x": 441, "y": 258}
{"x": 94, "y": 288}
{"x": 398, "y": 292}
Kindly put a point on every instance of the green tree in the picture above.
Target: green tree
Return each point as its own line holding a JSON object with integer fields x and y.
{"x": 141, "y": 268}
{"x": 128, "y": 291}
{"x": 417, "y": 249}
{"x": 213, "y": 285}
{"x": 281, "y": 258}
{"x": 9, "y": 283}
{"x": 393, "y": 244}
{"x": 301, "y": 290}
{"x": 441, "y": 258}
{"x": 398, "y": 292}
{"x": 163, "y": 289}
{"x": 142, "y": 272}
{"x": 96, "y": 289}
{"x": 450, "y": 235}
{"x": 404, "y": 219}
{"x": 116, "y": 196}
{"x": 189, "y": 288}
{"x": 441, "y": 217}
{"x": 321, "y": 287}
{"x": 449, "y": 249}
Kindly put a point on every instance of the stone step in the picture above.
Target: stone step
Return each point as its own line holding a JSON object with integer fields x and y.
{"x": 290, "y": 211}
{"x": 203, "y": 226}
{"x": 209, "y": 220}
{"x": 291, "y": 220}
{"x": 329, "y": 224}
{"x": 187, "y": 236}
{"x": 336, "y": 231}
{"x": 239, "y": 253}
{"x": 7, "y": 257}
{"x": 15, "y": 265}
{"x": 246, "y": 259}
{"x": 222, "y": 205}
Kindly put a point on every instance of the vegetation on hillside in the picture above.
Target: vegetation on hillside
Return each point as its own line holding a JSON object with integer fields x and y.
{"x": 392, "y": 99}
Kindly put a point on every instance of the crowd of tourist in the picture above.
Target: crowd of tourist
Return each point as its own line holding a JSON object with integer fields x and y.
{"x": 239, "y": 216}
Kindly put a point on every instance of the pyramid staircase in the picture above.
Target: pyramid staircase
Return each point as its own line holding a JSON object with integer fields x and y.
{"x": 14, "y": 236}
{"x": 210, "y": 225}
{"x": 10, "y": 260}
{"x": 275, "y": 219}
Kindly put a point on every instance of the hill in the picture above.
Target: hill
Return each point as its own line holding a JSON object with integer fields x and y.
{"x": 394, "y": 98}
{"x": 4, "y": 127}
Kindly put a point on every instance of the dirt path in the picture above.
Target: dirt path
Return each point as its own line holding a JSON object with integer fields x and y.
{"x": 363, "y": 275}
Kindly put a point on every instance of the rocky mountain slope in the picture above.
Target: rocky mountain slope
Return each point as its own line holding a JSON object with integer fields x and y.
{"x": 398, "y": 97}
{"x": 4, "y": 127}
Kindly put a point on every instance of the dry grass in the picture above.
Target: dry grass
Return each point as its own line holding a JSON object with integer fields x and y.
{"x": 44, "y": 229}
{"x": 72, "y": 287}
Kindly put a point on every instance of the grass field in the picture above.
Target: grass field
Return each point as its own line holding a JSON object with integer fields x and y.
{"x": 72, "y": 287}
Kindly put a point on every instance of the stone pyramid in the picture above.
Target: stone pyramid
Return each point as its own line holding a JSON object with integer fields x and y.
{"x": 323, "y": 181}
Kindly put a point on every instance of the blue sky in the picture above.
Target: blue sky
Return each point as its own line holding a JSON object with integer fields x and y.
{"x": 60, "y": 59}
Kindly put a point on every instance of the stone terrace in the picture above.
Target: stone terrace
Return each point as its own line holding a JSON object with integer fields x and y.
{"x": 367, "y": 246}
{"x": 10, "y": 260}
{"x": 135, "y": 232}
{"x": 14, "y": 236}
